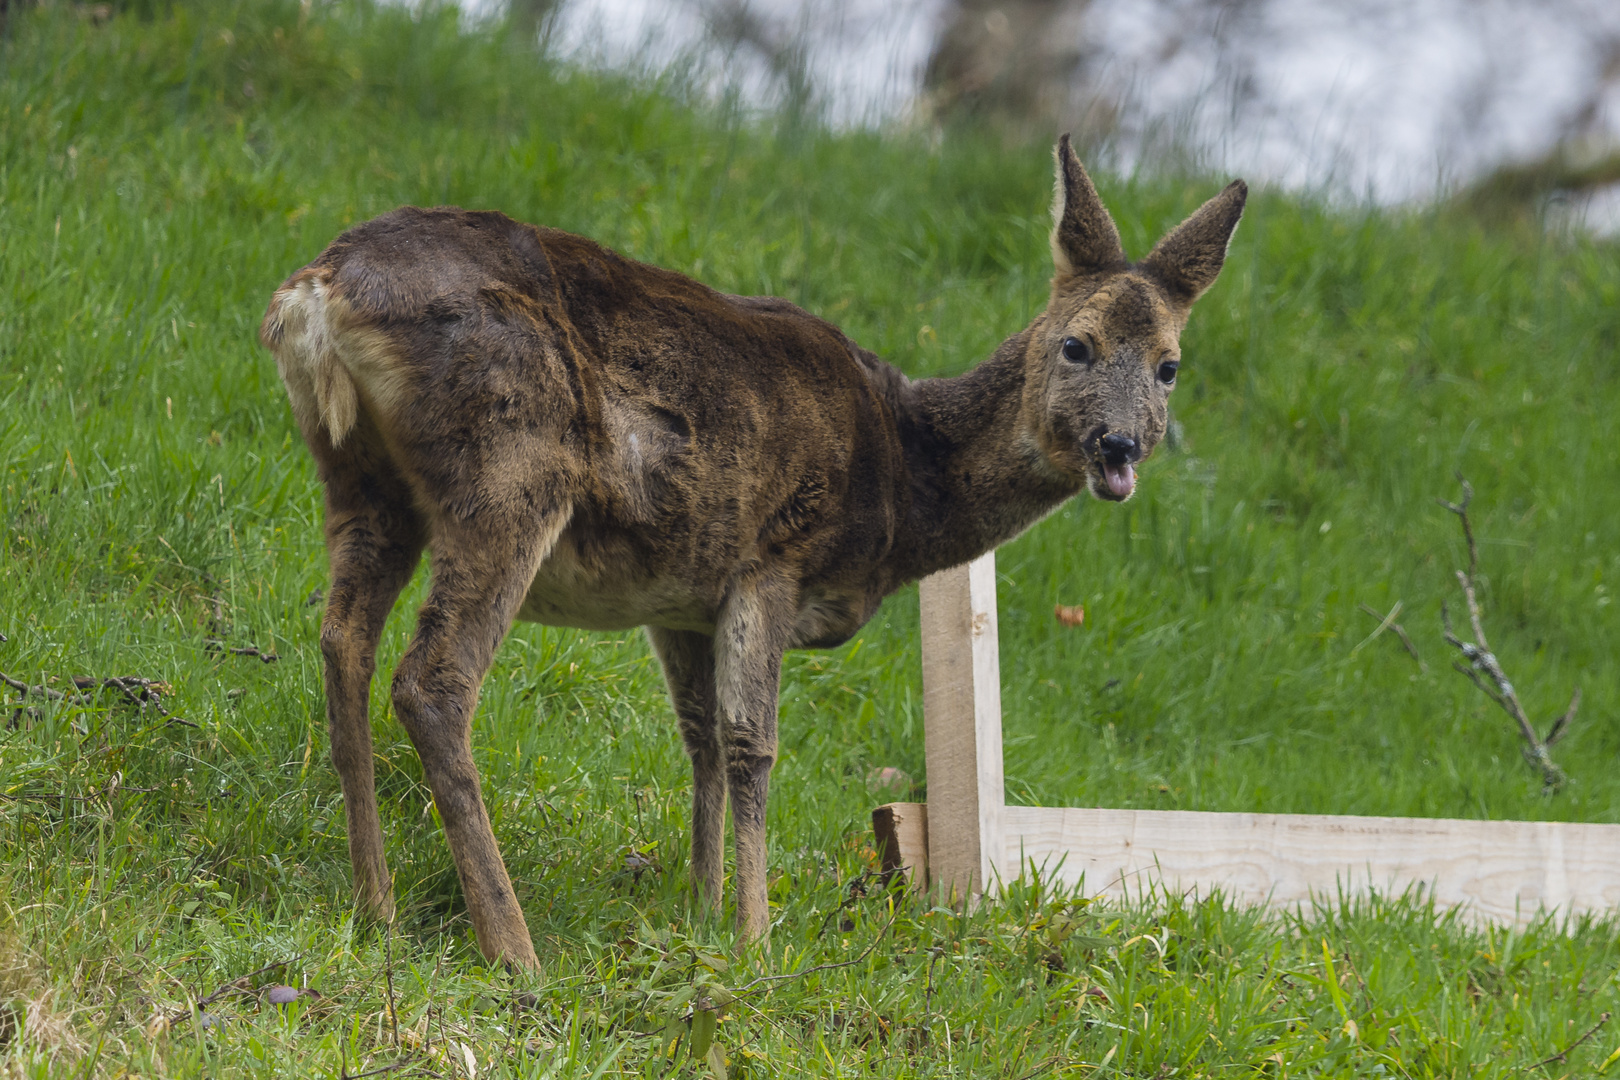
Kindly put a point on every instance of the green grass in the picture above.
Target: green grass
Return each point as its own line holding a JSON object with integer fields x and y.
{"x": 161, "y": 173}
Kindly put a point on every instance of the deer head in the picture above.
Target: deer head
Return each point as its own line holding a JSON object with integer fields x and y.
{"x": 1102, "y": 361}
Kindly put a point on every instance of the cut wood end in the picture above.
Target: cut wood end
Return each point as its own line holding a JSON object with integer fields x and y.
{"x": 901, "y": 830}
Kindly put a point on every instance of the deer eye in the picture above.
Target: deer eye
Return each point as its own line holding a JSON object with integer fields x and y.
{"x": 1076, "y": 351}
{"x": 1167, "y": 371}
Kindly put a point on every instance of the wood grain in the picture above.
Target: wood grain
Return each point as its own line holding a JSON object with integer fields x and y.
{"x": 962, "y": 707}
{"x": 902, "y": 841}
{"x": 1501, "y": 872}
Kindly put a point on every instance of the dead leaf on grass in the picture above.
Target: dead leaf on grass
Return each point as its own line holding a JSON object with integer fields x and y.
{"x": 1069, "y": 616}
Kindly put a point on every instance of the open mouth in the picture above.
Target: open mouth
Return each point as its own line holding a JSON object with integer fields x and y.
{"x": 1120, "y": 479}
{"x": 1112, "y": 457}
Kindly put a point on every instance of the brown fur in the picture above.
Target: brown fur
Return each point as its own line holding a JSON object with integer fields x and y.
{"x": 584, "y": 440}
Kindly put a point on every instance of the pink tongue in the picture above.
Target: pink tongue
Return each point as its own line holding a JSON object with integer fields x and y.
{"x": 1121, "y": 479}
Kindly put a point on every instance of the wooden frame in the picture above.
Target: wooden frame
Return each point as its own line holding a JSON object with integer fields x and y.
{"x": 965, "y": 840}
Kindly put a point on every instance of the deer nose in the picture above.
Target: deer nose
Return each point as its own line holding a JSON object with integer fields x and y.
{"x": 1117, "y": 449}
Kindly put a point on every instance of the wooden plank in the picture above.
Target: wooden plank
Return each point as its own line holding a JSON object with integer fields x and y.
{"x": 962, "y": 727}
{"x": 902, "y": 839}
{"x": 1501, "y": 871}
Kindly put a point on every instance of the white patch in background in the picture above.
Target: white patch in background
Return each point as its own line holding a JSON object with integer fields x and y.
{"x": 1596, "y": 211}
{"x": 1391, "y": 100}
{"x": 864, "y": 58}
{"x": 1387, "y": 99}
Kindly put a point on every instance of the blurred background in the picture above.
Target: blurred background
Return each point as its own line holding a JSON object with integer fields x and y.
{"x": 1512, "y": 104}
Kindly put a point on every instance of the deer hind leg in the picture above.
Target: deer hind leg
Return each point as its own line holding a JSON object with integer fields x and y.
{"x": 748, "y": 644}
{"x": 374, "y": 541}
{"x": 480, "y": 576}
{"x": 688, "y": 660}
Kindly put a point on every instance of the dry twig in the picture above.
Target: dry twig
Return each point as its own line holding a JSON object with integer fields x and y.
{"x": 142, "y": 693}
{"x": 388, "y": 951}
{"x": 1388, "y": 622}
{"x": 1482, "y": 662}
{"x": 112, "y": 787}
{"x": 232, "y": 987}
{"x": 416, "y": 1059}
{"x": 749, "y": 987}
{"x": 1562, "y": 1057}
{"x": 856, "y": 893}
{"x": 1042, "y": 1067}
{"x": 216, "y": 645}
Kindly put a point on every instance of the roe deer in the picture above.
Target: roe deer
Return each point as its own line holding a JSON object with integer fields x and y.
{"x": 583, "y": 440}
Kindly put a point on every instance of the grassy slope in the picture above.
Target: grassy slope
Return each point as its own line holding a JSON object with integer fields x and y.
{"x": 159, "y": 177}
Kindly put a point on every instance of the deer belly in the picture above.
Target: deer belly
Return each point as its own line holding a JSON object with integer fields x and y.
{"x": 609, "y": 593}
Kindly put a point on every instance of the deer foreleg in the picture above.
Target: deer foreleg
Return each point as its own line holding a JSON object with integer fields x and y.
{"x": 748, "y": 645}
{"x": 688, "y": 660}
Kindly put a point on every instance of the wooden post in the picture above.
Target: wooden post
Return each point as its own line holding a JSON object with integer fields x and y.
{"x": 962, "y": 729}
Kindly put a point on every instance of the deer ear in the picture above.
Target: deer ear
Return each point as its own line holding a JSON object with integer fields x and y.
{"x": 1084, "y": 239}
{"x": 1188, "y": 259}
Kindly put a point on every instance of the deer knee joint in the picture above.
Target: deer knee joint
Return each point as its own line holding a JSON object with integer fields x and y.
{"x": 334, "y": 640}
{"x": 414, "y": 706}
{"x": 744, "y": 769}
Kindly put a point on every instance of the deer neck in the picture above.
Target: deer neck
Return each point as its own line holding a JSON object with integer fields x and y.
{"x": 977, "y": 480}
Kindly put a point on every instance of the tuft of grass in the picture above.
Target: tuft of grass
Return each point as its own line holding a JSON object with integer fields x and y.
{"x": 162, "y": 171}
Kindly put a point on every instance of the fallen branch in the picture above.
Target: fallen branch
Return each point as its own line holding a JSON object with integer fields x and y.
{"x": 1562, "y": 1057}
{"x": 21, "y": 711}
{"x": 856, "y": 893}
{"x": 747, "y": 987}
{"x": 39, "y": 691}
{"x": 414, "y": 1059}
{"x": 1042, "y": 1067}
{"x": 1485, "y": 670}
{"x": 233, "y": 987}
{"x": 141, "y": 692}
{"x": 216, "y": 645}
{"x": 106, "y": 791}
{"x": 1388, "y": 622}
{"x": 388, "y": 971}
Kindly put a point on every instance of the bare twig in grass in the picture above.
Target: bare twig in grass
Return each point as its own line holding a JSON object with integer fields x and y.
{"x": 345, "y": 1074}
{"x": 928, "y": 994}
{"x": 219, "y": 627}
{"x": 388, "y": 972}
{"x": 106, "y": 791}
{"x": 235, "y": 986}
{"x": 216, "y": 645}
{"x": 1388, "y": 622}
{"x": 1560, "y": 726}
{"x": 142, "y": 693}
{"x": 764, "y": 979}
{"x": 856, "y": 893}
{"x": 1483, "y": 662}
{"x": 406, "y": 1064}
{"x": 1042, "y": 1067}
{"x": 1562, "y": 1057}
{"x": 433, "y": 986}
{"x": 23, "y": 711}
{"x": 38, "y": 691}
